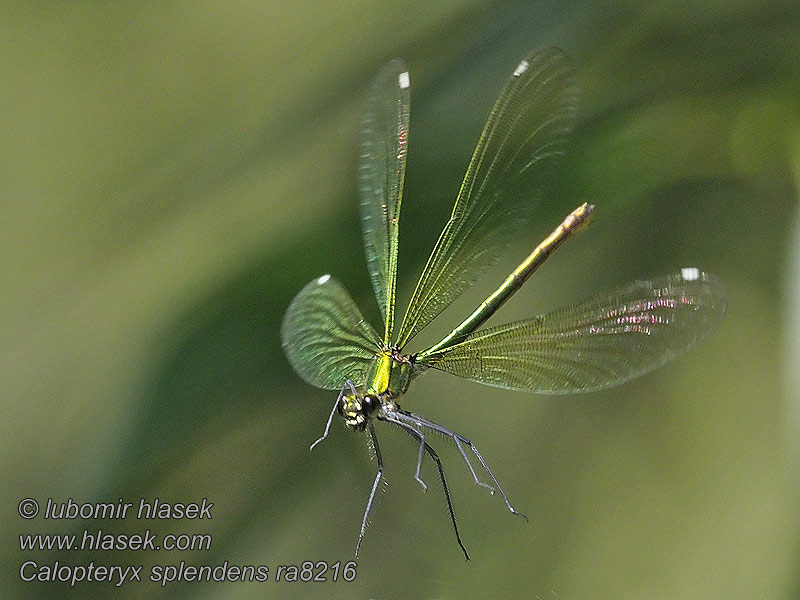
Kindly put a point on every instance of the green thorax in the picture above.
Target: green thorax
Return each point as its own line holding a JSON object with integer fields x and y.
{"x": 390, "y": 373}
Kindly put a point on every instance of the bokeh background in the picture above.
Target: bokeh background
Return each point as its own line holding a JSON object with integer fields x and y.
{"x": 171, "y": 174}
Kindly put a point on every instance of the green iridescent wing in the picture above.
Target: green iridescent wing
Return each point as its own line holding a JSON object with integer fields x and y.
{"x": 603, "y": 342}
{"x": 526, "y": 133}
{"x": 325, "y": 338}
{"x": 384, "y": 139}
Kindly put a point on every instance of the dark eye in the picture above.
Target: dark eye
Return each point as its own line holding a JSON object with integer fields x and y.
{"x": 369, "y": 403}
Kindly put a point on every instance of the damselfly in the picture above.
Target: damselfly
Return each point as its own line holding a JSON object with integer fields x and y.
{"x": 604, "y": 341}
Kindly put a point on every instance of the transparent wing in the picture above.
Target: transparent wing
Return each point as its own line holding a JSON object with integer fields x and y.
{"x": 600, "y": 343}
{"x": 526, "y": 133}
{"x": 384, "y": 139}
{"x": 325, "y": 338}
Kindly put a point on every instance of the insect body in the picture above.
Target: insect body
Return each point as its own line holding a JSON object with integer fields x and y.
{"x": 604, "y": 341}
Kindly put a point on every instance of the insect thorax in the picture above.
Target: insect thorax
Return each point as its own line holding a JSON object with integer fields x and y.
{"x": 390, "y": 373}
{"x": 388, "y": 378}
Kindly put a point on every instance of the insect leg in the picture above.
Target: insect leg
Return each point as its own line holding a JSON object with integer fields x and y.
{"x": 378, "y": 476}
{"x": 333, "y": 412}
{"x": 420, "y": 437}
{"x": 389, "y": 418}
{"x": 422, "y": 445}
{"x": 411, "y": 418}
{"x": 469, "y": 464}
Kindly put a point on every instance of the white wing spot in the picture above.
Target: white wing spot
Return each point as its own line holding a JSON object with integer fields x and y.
{"x": 690, "y": 274}
{"x": 323, "y": 279}
{"x": 403, "y": 80}
{"x": 521, "y": 68}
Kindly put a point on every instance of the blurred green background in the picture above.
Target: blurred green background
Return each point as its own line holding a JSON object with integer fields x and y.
{"x": 171, "y": 174}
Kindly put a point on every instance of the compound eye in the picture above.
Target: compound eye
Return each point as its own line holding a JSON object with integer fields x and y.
{"x": 369, "y": 403}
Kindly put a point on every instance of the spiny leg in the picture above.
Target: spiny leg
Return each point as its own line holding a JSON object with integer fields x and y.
{"x": 347, "y": 384}
{"x": 485, "y": 466}
{"x": 427, "y": 447}
{"x": 422, "y": 445}
{"x": 469, "y": 464}
{"x": 378, "y": 475}
{"x": 443, "y": 430}
{"x": 420, "y": 437}
{"x": 412, "y": 419}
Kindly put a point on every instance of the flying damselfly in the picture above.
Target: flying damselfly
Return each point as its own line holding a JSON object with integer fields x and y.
{"x": 602, "y": 342}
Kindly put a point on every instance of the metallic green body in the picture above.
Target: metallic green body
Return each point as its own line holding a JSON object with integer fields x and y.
{"x": 575, "y": 222}
{"x": 390, "y": 374}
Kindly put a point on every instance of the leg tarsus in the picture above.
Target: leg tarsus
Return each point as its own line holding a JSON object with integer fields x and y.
{"x": 435, "y": 457}
{"x": 375, "y": 483}
{"x": 378, "y": 477}
{"x": 410, "y": 418}
{"x": 485, "y": 466}
{"x": 419, "y": 462}
{"x": 347, "y": 384}
{"x": 391, "y": 418}
{"x": 471, "y": 469}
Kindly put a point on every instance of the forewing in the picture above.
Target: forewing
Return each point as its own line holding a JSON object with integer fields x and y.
{"x": 524, "y": 136}
{"x": 384, "y": 140}
{"x": 325, "y": 338}
{"x": 600, "y": 343}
